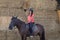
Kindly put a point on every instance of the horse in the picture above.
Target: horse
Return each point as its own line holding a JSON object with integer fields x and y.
{"x": 24, "y": 30}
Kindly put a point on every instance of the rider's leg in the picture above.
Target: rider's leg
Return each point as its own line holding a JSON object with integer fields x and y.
{"x": 31, "y": 28}
{"x": 31, "y": 25}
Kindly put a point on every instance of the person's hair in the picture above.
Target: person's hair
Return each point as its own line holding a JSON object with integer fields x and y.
{"x": 31, "y": 12}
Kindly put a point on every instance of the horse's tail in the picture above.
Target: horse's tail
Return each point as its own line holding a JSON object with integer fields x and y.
{"x": 43, "y": 35}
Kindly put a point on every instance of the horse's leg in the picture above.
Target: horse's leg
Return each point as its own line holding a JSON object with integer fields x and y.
{"x": 42, "y": 36}
{"x": 24, "y": 37}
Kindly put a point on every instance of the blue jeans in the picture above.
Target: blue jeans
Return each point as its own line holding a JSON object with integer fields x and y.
{"x": 30, "y": 27}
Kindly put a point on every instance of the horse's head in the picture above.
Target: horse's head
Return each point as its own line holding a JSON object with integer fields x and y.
{"x": 12, "y": 23}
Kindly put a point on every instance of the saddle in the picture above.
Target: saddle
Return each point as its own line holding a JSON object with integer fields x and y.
{"x": 34, "y": 28}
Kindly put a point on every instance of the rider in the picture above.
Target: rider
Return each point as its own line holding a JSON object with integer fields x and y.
{"x": 30, "y": 20}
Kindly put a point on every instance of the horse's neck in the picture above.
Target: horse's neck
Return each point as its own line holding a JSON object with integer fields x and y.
{"x": 20, "y": 25}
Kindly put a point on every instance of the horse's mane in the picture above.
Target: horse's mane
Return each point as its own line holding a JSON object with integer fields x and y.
{"x": 20, "y": 21}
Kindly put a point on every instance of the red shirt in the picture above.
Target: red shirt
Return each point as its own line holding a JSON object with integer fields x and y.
{"x": 31, "y": 18}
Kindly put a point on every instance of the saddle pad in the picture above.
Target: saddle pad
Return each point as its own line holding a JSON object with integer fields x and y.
{"x": 34, "y": 28}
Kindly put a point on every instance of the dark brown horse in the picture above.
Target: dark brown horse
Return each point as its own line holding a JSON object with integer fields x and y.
{"x": 24, "y": 30}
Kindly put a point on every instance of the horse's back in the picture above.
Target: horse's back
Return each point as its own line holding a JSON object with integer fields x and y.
{"x": 40, "y": 27}
{"x": 36, "y": 28}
